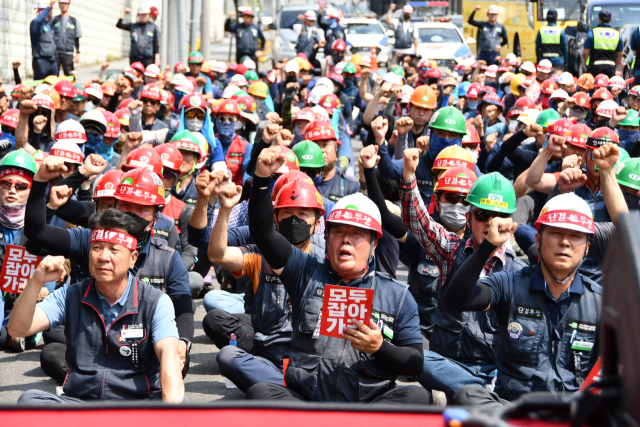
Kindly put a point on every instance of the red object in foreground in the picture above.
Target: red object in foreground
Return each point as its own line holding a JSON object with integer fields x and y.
{"x": 18, "y": 266}
{"x": 340, "y": 305}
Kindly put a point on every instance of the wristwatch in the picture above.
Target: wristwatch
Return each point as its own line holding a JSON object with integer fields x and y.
{"x": 188, "y": 341}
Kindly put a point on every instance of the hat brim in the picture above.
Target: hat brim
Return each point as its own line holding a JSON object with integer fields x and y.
{"x": 255, "y": 119}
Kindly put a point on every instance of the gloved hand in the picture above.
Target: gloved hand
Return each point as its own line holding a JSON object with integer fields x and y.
{"x": 344, "y": 162}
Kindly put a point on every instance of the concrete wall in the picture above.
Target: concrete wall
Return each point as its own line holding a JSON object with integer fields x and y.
{"x": 97, "y": 19}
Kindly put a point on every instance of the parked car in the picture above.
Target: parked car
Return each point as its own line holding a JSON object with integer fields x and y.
{"x": 444, "y": 43}
{"x": 364, "y": 34}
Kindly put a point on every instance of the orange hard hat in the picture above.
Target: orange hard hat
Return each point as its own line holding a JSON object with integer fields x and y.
{"x": 424, "y": 97}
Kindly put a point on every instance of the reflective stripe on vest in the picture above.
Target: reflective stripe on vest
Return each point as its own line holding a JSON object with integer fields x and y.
{"x": 605, "y": 38}
{"x": 550, "y": 35}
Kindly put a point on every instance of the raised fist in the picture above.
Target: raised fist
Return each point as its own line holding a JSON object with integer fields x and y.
{"x": 269, "y": 161}
{"x": 404, "y": 125}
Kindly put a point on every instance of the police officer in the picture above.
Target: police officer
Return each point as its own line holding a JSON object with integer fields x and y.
{"x": 406, "y": 35}
{"x": 249, "y": 37}
{"x": 491, "y": 35}
{"x": 330, "y": 23}
{"x": 139, "y": 348}
{"x": 635, "y": 47}
{"x": 602, "y": 51}
{"x": 326, "y": 369}
{"x": 67, "y": 33}
{"x": 145, "y": 37}
{"x": 43, "y": 45}
{"x": 551, "y": 42}
{"x": 308, "y": 34}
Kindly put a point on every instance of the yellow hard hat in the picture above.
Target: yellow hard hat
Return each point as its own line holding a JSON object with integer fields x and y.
{"x": 259, "y": 89}
{"x": 52, "y": 80}
{"x": 356, "y": 59}
{"x": 451, "y": 156}
{"x": 516, "y": 82}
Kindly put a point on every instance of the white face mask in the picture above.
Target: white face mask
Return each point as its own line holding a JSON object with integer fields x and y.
{"x": 513, "y": 126}
{"x": 473, "y": 153}
{"x": 473, "y": 104}
{"x": 194, "y": 125}
{"x": 529, "y": 140}
{"x": 507, "y": 90}
{"x": 454, "y": 216}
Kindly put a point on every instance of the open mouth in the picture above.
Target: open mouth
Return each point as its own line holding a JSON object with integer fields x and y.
{"x": 345, "y": 255}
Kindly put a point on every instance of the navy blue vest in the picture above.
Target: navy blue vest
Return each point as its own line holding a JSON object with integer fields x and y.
{"x": 142, "y": 40}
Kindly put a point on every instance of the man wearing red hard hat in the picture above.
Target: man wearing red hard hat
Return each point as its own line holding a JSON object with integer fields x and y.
{"x": 491, "y": 35}
{"x": 406, "y": 35}
{"x": 66, "y": 33}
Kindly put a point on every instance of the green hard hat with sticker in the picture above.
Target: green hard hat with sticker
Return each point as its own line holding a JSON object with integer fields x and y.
{"x": 450, "y": 119}
{"x": 398, "y": 71}
{"x": 349, "y": 68}
{"x": 251, "y": 76}
{"x": 493, "y": 192}
{"x": 624, "y": 155}
{"x": 309, "y": 154}
{"x": 196, "y": 57}
{"x": 632, "y": 119}
{"x": 19, "y": 159}
{"x": 628, "y": 173}
{"x": 547, "y": 117}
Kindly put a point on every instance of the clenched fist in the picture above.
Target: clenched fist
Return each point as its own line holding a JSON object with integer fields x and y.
{"x": 269, "y": 161}
{"x": 404, "y": 125}
{"x": 411, "y": 160}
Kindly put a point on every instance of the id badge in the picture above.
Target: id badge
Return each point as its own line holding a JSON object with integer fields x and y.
{"x": 129, "y": 334}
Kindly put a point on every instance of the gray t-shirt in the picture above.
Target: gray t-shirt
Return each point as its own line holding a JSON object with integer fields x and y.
{"x": 64, "y": 22}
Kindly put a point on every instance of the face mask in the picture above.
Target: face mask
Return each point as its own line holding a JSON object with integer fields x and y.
{"x": 143, "y": 222}
{"x": 105, "y": 150}
{"x": 507, "y": 90}
{"x": 513, "y": 126}
{"x": 295, "y": 230}
{"x": 12, "y": 216}
{"x": 472, "y": 104}
{"x": 628, "y": 135}
{"x": 317, "y": 180}
{"x": 350, "y": 81}
{"x": 406, "y": 16}
{"x": 291, "y": 79}
{"x": 93, "y": 142}
{"x": 578, "y": 113}
{"x": 226, "y": 130}
{"x": 473, "y": 153}
{"x": 633, "y": 201}
{"x": 454, "y": 215}
{"x": 194, "y": 125}
{"x": 602, "y": 123}
{"x": 437, "y": 144}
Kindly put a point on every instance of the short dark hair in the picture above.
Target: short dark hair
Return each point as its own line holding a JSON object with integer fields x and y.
{"x": 116, "y": 220}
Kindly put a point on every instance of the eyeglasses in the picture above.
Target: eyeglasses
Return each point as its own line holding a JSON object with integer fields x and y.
{"x": 150, "y": 101}
{"x": 483, "y": 216}
{"x": 20, "y": 186}
{"x": 455, "y": 198}
{"x": 194, "y": 114}
{"x": 227, "y": 119}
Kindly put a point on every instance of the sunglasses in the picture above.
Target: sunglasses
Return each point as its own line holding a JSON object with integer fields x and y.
{"x": 227, "y": 120}
{"x": 194, "y": 114}
{"x": 150, "y": 101}
{"x": 455, "y": 198}
{"x": 484, "y": 216}
{"x": 170, "y": 174}
{"x": 20, "y": 186}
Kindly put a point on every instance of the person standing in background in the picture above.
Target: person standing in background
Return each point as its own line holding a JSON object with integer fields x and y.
{"x": 66, "y": 33}
{"x": 491, "y": 35}
{"x": 43, "y": 46}
{"x": 551, "y": 42}
{"x": 145, "y": 38}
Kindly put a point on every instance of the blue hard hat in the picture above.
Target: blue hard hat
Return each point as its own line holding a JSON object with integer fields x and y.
{"x": 462, "y": 89}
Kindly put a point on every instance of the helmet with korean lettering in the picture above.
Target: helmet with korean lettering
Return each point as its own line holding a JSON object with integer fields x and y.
{"x": 635, "y": 91}
{"x": 305, "y": 114}
{"x": 602, "y": 93}
{"x": 566, "y": 211}
{"x": 602, "y": 136}
{"x": 113, "y": 125}
{"x": 286, "y": 178}
{"x": 471, "y": 137}
{"x": 490, "y": 99}
{"x": 458, "y": 179}
{"x": 560, "y": 127}
{"x": 309, "y": 154}
{"x": 106, "y": 184}
{"x": 632, "y": 119}
{"x": 187, "y": 141}
{"x": 628, "y": 172}
{"x": 290, "y": 161}
{"x": 493, "y": 192}
{"x": 239, "y": 80}
{"x": 195, "y": 57}
{"x": 170, "y": 155}
{"x": 359, "y": 211}
{"x": 10, "y": 118}
{"x": 144, "y": 157}
{"x": 606, "y": 108}
{"x": 449, "y": 119}
{"x": 194, "y": 100}
{"x": 601, "y": 80}
{"x": 141, "y": 186}
{"x": 94, "y": 120}
{"x": 452, "y": 156}
{"x": 434, "y": 73}
{"x": 19, "y": 159}
{"x": 330, "y": 102}
{"x": 578, "y": 134}
{"x": 65, "y": 88}
{"x": 109, "y": 88}
{"x": 152, "y": 92}
{"x": 473, "y": 92}
{"x": 299, "y": 193}
{"x": 586, "y": 81}
{"x": 319, "y": 130}
{"x": 71, "y": 131}
{"x": 545, "y": 66}
{"x": 44, "y": 101}
{"x": 617, "y": 81}
{"x": 67, "y": 150}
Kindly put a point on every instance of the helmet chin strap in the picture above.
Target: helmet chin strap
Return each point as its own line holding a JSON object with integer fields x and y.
{"x": 555, "y": 279}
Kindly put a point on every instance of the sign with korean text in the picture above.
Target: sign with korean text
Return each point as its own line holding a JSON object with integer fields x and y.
{"x": 18, "y": 266}
{"x": 342, "y": 304}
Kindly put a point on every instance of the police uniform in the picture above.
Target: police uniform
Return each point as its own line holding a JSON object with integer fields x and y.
{"x": 604, "y": 43}
{"x": 551, "y": 44}
{"x": 43, "y": 47}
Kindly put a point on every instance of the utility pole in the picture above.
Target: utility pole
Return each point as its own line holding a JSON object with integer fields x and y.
{"x": 182, "y": 30}
{"x": 164, "y": 37}
{"x": 205, "y": 30}
{"x": 195, "y": 9}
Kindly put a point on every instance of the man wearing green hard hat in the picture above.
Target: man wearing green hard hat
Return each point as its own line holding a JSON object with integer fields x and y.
{"x": 463, "y": 345}
{"x": 203, "y": 82}
{"x": 311, "y": 162}
{"x": 629, "y": 130}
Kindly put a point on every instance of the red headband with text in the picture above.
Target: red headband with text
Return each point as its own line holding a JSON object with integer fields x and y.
{"x": 114, "y": 236}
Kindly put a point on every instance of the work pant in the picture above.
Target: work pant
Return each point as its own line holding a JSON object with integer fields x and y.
{"x": 472, "y": 395}
{"x": 53, "y": 361}
{"x": 490, "y": 57}
{"x": 219, "y": 325}
{"x": 609, "y": 70}
{"x": 43, "y": 68}
{"x": 42, "y": 397}
{"x": 251, "y": 55}
{"x": 411, "y": 394}
{"x": 66, "y": 62}
{"x": 447, "y": 375}
{"x": 145, "y": 61}
{"x": 245, "y": 369}
{"x": 223, "y": 300}
{"x": 3, "y": 336}
{"x": 196, "y": 283}
{"x": 525, "y": 236}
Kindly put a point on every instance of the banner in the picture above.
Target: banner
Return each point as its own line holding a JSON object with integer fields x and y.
{"x": 341, "y": 304}
{"x": 18, "y": 266}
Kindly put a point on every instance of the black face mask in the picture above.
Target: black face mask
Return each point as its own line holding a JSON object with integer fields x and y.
{"x": 406, "y": 16}
{"x": 295, "y": 230}
{"x": 291, "y": 79}
{"x": 633, "y": 201}
{"x": 602, "y": 123}
{"x": 143, "y": 223}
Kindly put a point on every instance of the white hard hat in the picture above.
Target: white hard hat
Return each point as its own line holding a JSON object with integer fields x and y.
{"x": 318, "y": 92}
{"x": 239, "y": 80}
{"x": 249, "y": 63}
{"x": 95, "y": 90}
{"x": 567, "y": 211}
{"x": 144, "y": 9}
{"x": 152, "y": 70}
{"x": 493, "y": 10}
{"x": 41, "y": 88}
{"x": 71, "y": 131}
{"x": 545, "y": 66}
{"x": 528, "y": 66}
{"x": 492, "y": 71}
{"x": 565, "y": 78}
{"x": 617, "y": 81}
{"x": 310, "y": 15}
{"x": 339, "y": 67}
{"x": 393, "y": 79}
{"x": 359, "y": 211}
{"x": 528, "y": 116}
{"x": 606, "y": 108}
{"x": 320, "y": 111}
{"x": 94, "y": 116}
{"x": 559, "y": 93}
{"x": 42, "y": 4}
{"x": 229, "y": 91}
{"x": 407, "y": 9}
{"x": 292, "y": 67}
{"x": 178, "y": 78}
{"x": 405, "y": 94}
{"x": 326, "y": 82}
{"x": 67, "y": 150}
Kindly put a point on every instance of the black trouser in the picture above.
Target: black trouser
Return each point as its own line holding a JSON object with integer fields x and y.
{"x": 43, "y": 68}
{"x": 472, "y": 395}
{"x": 609, "y": 70}
{"x": 145, "y": 61}
{"x": 55, "y": 335}
{"x": 637, "y": 78}
{"x": 251, "y": 55}
{"x": 66, "y": 62}
{"x": 53, "y": 362}
{"x": 411, "y": 394}
{"x": 3, "y": 336}
{"x": 219, "y": 325}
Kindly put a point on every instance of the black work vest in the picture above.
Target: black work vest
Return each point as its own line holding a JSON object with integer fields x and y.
{"x": 142, "y": 40}
{"x": 56, "y": 24}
